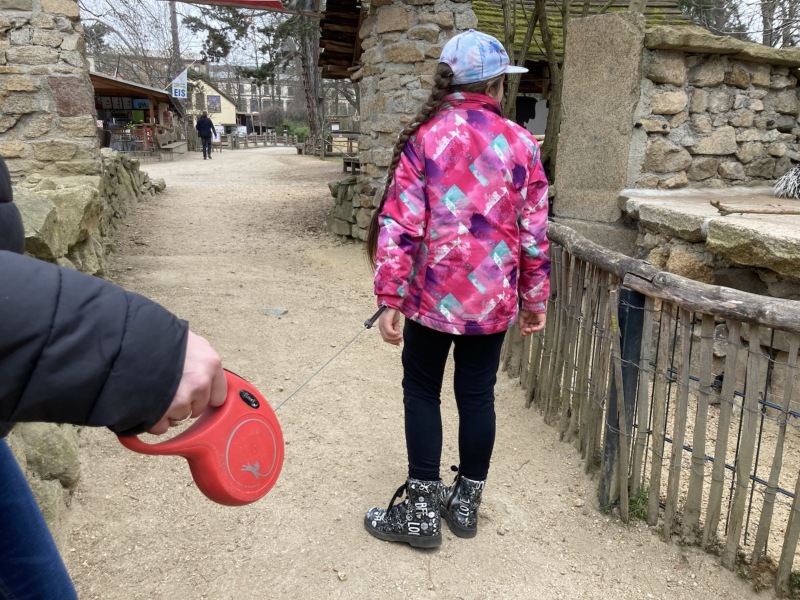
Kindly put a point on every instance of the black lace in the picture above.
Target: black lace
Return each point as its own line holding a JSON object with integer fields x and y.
{"x": 397, "y": 495}
{"x": 454, "y": 469}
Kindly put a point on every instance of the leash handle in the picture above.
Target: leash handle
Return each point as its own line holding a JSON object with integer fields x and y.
{"x": 371, "y": 321}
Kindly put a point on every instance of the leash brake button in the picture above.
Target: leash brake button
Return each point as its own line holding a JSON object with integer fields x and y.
{"x": 249, "y": 399}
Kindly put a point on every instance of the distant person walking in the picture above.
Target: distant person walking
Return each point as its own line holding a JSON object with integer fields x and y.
{"x": 205, "y": 129}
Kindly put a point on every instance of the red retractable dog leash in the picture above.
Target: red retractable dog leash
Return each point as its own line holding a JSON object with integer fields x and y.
{"x": 235, "y": 451}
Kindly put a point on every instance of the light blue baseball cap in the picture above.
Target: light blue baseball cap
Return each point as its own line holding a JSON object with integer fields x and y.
{"x": 476, "y": 56}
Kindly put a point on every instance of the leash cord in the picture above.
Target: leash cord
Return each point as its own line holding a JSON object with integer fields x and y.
{"x": 367, "y": 325}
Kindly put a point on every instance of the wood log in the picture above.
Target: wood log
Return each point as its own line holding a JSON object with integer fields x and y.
{"x": 611, "y": 261}
{"x": 729, "y": 209}
{"x": 722, "y": 302}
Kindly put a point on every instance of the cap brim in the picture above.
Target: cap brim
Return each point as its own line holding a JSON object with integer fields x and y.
{"x": 513, "y": 69}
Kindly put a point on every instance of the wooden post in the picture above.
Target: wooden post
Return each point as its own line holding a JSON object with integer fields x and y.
{"x": 546, "y": 374}
{"x": 575, "y": 289}
{"x": 531, "y": 382}
{"x": 714, "y": 504}
{"x": 583, "y": 353}
{"x": 760, "y": 545}
{"x": 744, "y": 462}
{"x": 589, "y": 349}
{"x": 792, "y": 533}
{"x": 626, "y": 318}
{"x": 660, "y": 383}
{"x": 601, "y": 371}
{"x": 678, "y": 425}
{"x": 694, "y": 497}
{"x": 580, "y": 384}
{"x": 555, "y": 388}
{"x": 615, "y": 449}
{"x": 643, "y": 399}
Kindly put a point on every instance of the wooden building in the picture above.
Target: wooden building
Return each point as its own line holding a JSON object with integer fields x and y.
{"x": 120, "y": 102}
{"x": 341, "y": 48}
{"x": 342, "y": 20}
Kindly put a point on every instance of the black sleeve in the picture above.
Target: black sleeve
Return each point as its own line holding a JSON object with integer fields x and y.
{"x": 12, "y": 233}
{"x": 77, "y": 349}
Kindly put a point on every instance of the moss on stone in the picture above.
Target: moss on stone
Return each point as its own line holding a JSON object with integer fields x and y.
{"x": 490, "y": 20}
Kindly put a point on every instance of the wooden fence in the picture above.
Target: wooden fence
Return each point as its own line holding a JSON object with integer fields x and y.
{"x": 682, "y": 396}
{"x": 236, "y": 141}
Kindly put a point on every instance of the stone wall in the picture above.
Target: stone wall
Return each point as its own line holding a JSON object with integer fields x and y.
{"x": 47, "y": 116}
{"x": 402, "y": 42}
{"x": 716, "y": 112}
{"x": 343, "y": 218}
{"x": 71, "y": 220}
{"x": 680, "y": 108}
{"x": 48, "y": 455}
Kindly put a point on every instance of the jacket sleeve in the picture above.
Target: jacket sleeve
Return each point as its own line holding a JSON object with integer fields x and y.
{"x": 534, "y": 280}
{"x": 402, "y": 228}
{"x": 77, "y": 349}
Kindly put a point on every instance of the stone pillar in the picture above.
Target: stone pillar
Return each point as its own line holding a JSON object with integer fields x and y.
{"x": 47, "y": 114}
{"x": 602, "y": 83}
{"x": 402, "y": 41}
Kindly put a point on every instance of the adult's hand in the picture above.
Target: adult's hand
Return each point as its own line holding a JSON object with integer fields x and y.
{"x": 531, "y": 322}
{"x": 389, "y": 326}
{"x": 202, "y": 384}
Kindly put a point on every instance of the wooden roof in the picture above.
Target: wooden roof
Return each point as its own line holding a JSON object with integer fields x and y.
{"x": 341, "y": 48}
{"x": 106, "y": 85}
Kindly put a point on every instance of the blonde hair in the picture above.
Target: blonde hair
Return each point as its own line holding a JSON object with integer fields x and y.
{"x": 442, "y": 85}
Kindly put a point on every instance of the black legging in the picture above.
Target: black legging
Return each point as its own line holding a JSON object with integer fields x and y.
{"x": 477, "y": 358}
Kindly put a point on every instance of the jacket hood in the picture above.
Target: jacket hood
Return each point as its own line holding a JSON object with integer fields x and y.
{"x": 5, "y": 183}
{"x": 12, "y": 231}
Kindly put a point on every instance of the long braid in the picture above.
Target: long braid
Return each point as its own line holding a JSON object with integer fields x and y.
{"x": 442, "y": 84}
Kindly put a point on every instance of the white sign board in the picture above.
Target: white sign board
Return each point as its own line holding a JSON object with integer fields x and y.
{"x": 178, "y": 90}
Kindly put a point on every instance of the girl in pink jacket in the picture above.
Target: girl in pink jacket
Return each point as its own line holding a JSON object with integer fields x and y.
{"x": 459, "y": 248}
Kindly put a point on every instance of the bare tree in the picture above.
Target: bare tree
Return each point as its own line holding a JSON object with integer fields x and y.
{"x": 770, "y": 22}
{"x": 140, "y": 40}
{"x": 509, "y": 28}
{"x": 514, "y": 10}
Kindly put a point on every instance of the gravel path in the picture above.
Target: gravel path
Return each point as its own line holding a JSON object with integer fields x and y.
{"x": 243, "y": 233}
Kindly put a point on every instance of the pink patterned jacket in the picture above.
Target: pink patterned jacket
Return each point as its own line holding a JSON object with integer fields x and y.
{"x": 463, "y": 230}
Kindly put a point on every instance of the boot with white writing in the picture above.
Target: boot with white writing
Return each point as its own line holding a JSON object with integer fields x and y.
{"x": 414, "y": 521}
{"x": 459, "y": 505}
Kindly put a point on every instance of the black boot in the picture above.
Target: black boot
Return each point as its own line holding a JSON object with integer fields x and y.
{"x": 459, "y": 505}
{"x": 415, "y": 520}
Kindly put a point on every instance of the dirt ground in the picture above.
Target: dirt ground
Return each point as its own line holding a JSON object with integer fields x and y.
{"x": 229, "y": 240}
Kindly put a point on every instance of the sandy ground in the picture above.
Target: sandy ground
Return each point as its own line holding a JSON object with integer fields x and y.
{"x": 241, "y": 234}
